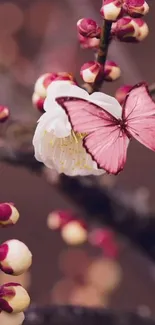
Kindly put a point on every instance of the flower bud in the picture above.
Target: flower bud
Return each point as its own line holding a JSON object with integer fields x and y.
{"x": 74, "y": 232}
{"x": 15, "y": 257}
{"x": 57, "y": 219}
{"x": 13, "y": 298}
{"x": 88, "y": 42}
{"x": 90, "y": 71}
{"x": 4, "y": 113}
{"x": 143, "y": 29}
{"x": 45, "y": 80}
{"x": 11, "y": 319}
{"x": 111, "y": 9}
{"x": 111, "y": 71}
{"x": 88, "y": 28}
{"x": 126, "y": 30}
{"x": 38, "y": 102}
{"x": 9, "y": 215}
{"x": 136, "y": 8}
{"x": 122, "y": 92}
{"x": 104, "y": 238}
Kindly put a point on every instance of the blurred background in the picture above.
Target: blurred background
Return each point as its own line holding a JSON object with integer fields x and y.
{"x": 39, "y": 36}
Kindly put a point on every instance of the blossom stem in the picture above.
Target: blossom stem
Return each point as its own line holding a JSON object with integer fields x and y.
{"x": 101, "y": 55}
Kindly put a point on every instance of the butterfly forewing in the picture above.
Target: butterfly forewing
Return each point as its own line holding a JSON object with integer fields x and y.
{"x": 105, "y": 142}
{"x": 84, "y": 116}
{"x": 139, "y": 114}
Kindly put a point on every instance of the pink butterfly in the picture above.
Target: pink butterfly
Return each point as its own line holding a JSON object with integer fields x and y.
{"x": 107, "y": 137}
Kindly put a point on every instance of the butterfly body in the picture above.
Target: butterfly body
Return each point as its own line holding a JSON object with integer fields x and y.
{"x": 107, "y": 137}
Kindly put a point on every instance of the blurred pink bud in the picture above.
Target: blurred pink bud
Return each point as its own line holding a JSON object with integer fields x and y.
{"x": 9, "y": 215}
{"x": 143, "y": 29}
{"x": 38, "y": 102}
{"x": 57, "y": 219}
{"x": 88, "y": 28}
{"x": 13, "y": 298}
{"x": 90, "y": 71}
{"x": 126, "y": 30}
{"x": 111, "y": 71}
{"x": 45, "y": 80}
{"x": 4, "y": 113}
{"x": 74, "y": 232}
{"x": 122, "y": 92}
{"x": 88, "y": 42}
{"x": 111, "y": 9}
{"x": 15, "y": 257}
{"x": 104, "y": 239}
{"x": 136, "y": 8}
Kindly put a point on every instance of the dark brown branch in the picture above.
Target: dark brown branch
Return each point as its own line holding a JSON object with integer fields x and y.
{"x": 101, "y": 55}
{"x": 74, "y": 315}
{"x": 104, "y": 207}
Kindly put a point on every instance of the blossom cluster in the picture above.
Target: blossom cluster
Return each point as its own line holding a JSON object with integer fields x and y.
{"x": 15, "y": 259}
{"x": 55, "y": 142}
{"x": 75, "y": 231}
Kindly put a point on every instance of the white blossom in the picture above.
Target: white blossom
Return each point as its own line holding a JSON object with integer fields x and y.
{"x": 55, "y": 143}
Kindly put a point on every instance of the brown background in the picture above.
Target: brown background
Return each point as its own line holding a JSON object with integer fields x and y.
{"x": 47, "y": 39}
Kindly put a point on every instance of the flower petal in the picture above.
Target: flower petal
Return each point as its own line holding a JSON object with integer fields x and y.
{"x": 67, "y": 156}
{"x": 109, "y": 103}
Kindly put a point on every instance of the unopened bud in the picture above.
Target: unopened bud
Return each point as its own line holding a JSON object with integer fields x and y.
{"x": 4, "y": 113}
{"x": 136, "y": 8}
{"x": 90, "y": 71}
{"x": 11, "y": 319}
{"x": 15, "y": 257}
{"x": 122, "y": 92}
{"x": 38, "y": 102}
{"x": 9, "y": 215}
{"x": 57, "y": 219}
{"x": 104, "y": 239}
{"x": 111, "y": 71}
{"x": 143, "y": 29}
{"x": 88, "y": 27}
{"x": 111, "y": 9}
{"x": 13, "y": 298}
{"x": 88, "y": 42}
{"x": 126, "y": 30}
{"x": 74, "y": 232}
{"x": 45, "y": 80}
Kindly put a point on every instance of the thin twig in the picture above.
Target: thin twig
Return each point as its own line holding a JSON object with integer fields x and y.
{"x": 101, "y": 55}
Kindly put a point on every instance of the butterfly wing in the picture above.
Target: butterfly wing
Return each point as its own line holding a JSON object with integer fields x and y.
{"x": 104, "y": 140}
{"x": 139, "y": 114}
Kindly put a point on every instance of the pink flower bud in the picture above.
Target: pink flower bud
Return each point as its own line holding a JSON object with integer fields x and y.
{"x": 11, "y": 319}
{"x": 9, "y": 215}
{"x": 111, "y": 71}
{"x": 136, "y": 8}
{"x": 38, "y": 102}
{"x": 104, "y": 239}
{"x": 88, "y": 28}
{"x": 122, "y": 92}
{"x": 143, "y": 29}
{"x": 126, "y": 30}
{"x": 111, "y": 9}
{"x": 74, "y": 232}
{"x": 4, "y": 113}
{"x": 90, "y": 71}
{"x": 45, "y": 80}
{"x": 57, "y": 219}
{"x": 13, "y": 298}
{"x": 88, "y": 42}
{"x": 15, "y": 257}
